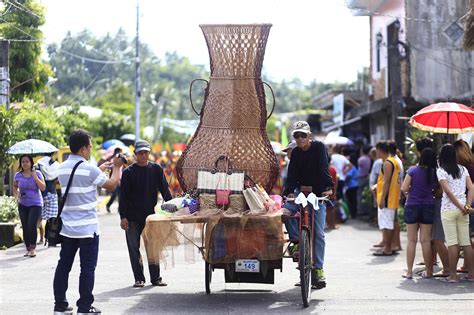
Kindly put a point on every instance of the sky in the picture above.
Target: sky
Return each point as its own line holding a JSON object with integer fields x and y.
{"x": 310, "y": 39}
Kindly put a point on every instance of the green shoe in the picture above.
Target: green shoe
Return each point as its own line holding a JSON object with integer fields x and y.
{"x": 292, "y": 249}
{"x": 317, "y": 275}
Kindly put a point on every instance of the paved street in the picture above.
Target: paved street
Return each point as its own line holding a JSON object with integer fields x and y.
{"x": 358, "y": 283}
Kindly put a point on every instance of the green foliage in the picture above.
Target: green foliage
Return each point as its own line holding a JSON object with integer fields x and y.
{"x": 38, "y": 122}
{"x": 73, "y": 119}
{"x": 8, "y": 209}
{"x": 171, "y": 136}
{"x": 28, "y": 75}
{"x": 111, "y": 125}
{"x": 7, "y": 134}
{"x": 411, "y": 152}
{"x": 401, "y": 220}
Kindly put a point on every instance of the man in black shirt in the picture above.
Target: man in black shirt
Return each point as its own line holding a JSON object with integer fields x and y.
{"x": 309, "y": 167}
{"x": 140, "y": 185}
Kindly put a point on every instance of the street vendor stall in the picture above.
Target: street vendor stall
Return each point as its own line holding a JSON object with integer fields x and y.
{"x": 227, "y": 169}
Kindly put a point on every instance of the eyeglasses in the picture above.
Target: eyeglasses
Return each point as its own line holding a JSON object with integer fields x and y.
{"x": 298, "y": 135}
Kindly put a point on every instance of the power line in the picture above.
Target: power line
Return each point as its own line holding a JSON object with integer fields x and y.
{"x": 19, "y": 29}
{"x": 101, "y": 61}
{"x": 401, "y": 17}
{"x": 20, "y": 40}
{"x": 6, "y": 11}
{"x": 444, "y": 62}
{"x": 22, "y": 8}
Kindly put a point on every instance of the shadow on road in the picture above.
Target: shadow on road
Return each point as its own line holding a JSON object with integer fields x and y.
{"x": 436, "y": 286}
{"x": 221, "y": 301}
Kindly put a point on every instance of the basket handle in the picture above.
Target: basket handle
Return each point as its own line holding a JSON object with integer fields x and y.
{"x": 191, "y": 93}
{"x": 273, "y": 96}
{"x": 228, "y": 165}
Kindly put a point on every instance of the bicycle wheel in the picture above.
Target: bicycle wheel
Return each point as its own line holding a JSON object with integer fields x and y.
{"x": 305, "y": 266}
{"x": 208, "y": 277}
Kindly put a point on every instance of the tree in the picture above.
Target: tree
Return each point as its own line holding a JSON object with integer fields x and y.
{"x": 22, "y": 20}
{"x": 73, "y": 119}
{"x": 38, "y": 122}
{"x": 111, "y": 125}
{"x": 7, "y": 135}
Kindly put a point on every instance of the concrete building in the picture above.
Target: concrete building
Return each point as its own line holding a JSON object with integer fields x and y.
{"x": 416, "y": 58}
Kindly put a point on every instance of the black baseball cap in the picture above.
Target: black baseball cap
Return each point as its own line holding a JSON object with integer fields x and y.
{"x": 142, "y": 145}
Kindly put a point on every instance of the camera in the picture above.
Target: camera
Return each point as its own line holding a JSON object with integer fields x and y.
{"x": 121, "y": 157}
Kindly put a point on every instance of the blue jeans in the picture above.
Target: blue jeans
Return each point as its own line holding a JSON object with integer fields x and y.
{"x": 319, "y": 218}
{"x": 88, "y": 252}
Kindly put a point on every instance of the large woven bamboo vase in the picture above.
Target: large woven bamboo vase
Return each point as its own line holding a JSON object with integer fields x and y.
{"x": 234, "y": 115}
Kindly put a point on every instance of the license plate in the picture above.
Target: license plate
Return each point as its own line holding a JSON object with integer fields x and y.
{"x": 247, "y": 265}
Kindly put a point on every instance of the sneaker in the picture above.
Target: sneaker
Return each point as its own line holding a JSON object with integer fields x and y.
{"x": 292, "y": 249}
{"x": 139, "y": 284}
{"x": 63, "y": 310}
{"x": 159, "y": 283}
{"x": 317, "y": 275}
{"x": 92, "y": 310}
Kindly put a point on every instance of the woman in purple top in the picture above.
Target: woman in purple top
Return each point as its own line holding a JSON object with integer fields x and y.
{"x": 27, "y": 186}
{"x": 418, "y": 186}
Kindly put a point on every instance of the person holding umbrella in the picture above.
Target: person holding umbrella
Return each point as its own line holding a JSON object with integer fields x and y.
{"x": 27, "y": 187}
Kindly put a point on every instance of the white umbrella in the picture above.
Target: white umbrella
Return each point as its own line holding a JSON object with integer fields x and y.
{"x": 338, "y": 140}
{"x": 32, "y": 146}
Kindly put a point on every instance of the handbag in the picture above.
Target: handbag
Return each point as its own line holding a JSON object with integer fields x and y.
{"x": 54, "y": 225}
{"x": 209, "y": 180}
{"x": 256, "y": 198}
{"x": 222, "y": 197}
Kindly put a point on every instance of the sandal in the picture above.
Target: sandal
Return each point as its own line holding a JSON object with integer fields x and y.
{"x": 441, "y": 275}
{"x": 407, "y": 276}
{"x": 382, "y": 253}
{"x": 468, "y": 279}
{"x": 425, "y": 275}
{"x": 448, "y": 280}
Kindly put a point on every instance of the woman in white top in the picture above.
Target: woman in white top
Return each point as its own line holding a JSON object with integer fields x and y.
{"x": 455, "y": 207}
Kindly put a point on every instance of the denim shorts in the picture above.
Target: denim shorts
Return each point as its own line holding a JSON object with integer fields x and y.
{"x": 421, "y": 214}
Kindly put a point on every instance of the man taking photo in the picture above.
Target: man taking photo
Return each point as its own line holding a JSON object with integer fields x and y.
{"x": 80, "y": 229}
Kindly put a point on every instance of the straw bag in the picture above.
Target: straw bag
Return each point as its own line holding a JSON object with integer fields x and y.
{"x": 210, "y": 180}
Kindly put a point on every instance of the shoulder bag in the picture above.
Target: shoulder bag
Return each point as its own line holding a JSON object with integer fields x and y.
{"x": 54, "y": 225}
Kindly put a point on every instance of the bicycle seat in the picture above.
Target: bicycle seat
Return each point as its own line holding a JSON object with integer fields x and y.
{"x": 306, "y": 190}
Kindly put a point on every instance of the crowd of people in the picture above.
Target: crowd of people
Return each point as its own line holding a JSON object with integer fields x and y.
{"x": 435, "y": 194}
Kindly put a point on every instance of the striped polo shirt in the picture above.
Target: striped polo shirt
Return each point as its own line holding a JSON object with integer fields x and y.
{"x": 79, "y": 214}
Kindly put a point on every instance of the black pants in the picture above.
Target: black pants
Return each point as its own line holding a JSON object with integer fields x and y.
{"x": 29, "y": 217}
{"x": 133, "y": 243}
{"x": 351, "y": 196}
{"x": 115, "y": 194}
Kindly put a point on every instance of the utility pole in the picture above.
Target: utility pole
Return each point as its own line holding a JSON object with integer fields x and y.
{"x": 4, "y": 73}
{"x": 395, "y": 85}
{"x": 137, "y": 77}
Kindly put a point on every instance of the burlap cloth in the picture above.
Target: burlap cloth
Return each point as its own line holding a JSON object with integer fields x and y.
{"x": 222, "y": 239}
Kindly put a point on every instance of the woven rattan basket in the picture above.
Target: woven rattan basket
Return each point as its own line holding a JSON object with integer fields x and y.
{"x": 234, "y": 116}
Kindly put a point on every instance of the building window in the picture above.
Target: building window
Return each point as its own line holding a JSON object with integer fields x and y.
{"x": 378, "y": 47}
{"x": 454, "y": 31}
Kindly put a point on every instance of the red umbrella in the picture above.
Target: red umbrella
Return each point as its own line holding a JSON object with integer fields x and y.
{"x": 451, "y": 118}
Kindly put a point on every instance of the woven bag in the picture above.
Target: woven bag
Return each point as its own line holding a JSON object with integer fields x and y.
{"x": 237, "y": 203}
